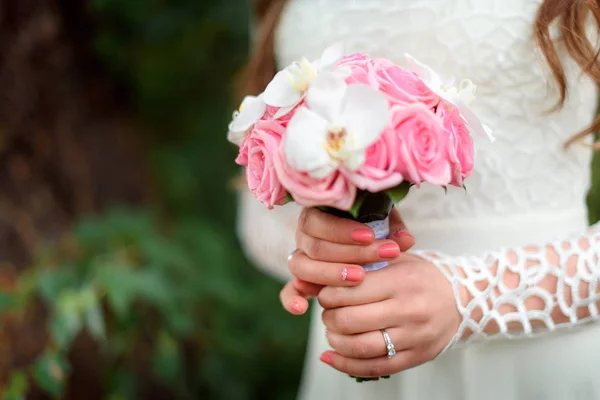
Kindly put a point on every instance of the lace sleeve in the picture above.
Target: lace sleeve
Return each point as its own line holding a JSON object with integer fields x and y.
{"x": 267, "y": 236}
{"x": 523, "y": 292}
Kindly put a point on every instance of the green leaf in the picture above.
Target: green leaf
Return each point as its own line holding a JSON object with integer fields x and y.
{"x": 50, "y": 372}
{"x": 95, "y": 323}
{"x": 288, "y": 198}
{"x": 53, "y": 282}
{"x": 358, "y": 202}
{"x": 399, "y": 192}
{"x": 17, "y": 386}
{"x": 166, "y": 361}
{"x": 123, "y": 285}
{"x": 92, "y": 312}
{"x": 65, "y": 321}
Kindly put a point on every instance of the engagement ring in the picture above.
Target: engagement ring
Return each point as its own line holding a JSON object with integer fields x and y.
{"x": 391, "y": 350}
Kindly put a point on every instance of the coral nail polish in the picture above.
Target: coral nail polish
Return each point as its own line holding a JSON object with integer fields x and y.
{"x": 296, "y": 307}
{"x": 389, "y": 250}
{"x": 400, "y": 233}
{"x": 326, "y": 358}
{"x": 352, "y": 274}
{"x": 363, "y": 236}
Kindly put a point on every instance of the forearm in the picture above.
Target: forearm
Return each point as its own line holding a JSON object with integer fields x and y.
{"x": 267, "y": 236}
{"x": 523, "y": 291}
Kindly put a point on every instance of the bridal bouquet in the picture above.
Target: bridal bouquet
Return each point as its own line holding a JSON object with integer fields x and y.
{"x": 351, "y": 134}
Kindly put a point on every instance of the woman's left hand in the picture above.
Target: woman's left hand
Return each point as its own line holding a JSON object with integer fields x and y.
{"x": 410, "y": 299}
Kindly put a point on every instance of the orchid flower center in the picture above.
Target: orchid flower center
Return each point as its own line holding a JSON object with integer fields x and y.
{"x": 238, "y": 111}
{"x": 301, "y": 74}
{"x": 335, "y": 142}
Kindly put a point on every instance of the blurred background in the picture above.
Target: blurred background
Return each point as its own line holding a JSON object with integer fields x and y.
{"x": 121, "y": 276}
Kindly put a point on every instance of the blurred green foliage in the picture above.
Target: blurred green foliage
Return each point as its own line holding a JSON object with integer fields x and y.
{"x": 177, "y": 293}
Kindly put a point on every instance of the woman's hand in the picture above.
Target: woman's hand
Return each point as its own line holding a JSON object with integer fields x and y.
{"x": 330, "y": 251}
{"x": 410, "y": 299}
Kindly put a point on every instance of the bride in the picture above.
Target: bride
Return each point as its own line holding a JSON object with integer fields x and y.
{"x": 498, "y": 297}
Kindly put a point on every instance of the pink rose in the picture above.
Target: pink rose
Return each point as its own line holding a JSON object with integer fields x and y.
{"x": 256, "y": 154}
{"x": 334, "y": 190}
{"x": 361, "y": 70}
{"x": 460, "y": 144}
{"x": 402, "y": 86}
{"x": 353, "y": 59}
{"x": 423, "y": 145}
{"x": 380, "y": 170}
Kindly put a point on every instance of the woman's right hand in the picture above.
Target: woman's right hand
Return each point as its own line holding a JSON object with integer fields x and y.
{"x": 330, "y": 251}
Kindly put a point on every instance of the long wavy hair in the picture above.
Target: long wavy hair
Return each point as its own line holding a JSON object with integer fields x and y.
{"x": 570, "y": 15}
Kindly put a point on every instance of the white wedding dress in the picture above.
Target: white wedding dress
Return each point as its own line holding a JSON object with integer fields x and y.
{"x": 525, "y": 188}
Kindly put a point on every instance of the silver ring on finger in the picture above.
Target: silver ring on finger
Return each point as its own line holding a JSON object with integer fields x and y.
{"x": 391, "y": 350}
{"x": 291, "y": 255}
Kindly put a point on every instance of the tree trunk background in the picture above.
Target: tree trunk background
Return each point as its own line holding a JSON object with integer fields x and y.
{"x": 68, "y": 147}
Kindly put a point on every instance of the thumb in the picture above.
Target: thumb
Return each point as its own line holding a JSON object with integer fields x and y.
{"x": 399, "y": 233}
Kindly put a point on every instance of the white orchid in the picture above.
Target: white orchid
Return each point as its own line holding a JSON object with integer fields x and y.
{"x": 460, "y": 96}
{"x": 250, "y": 111}
{"x": 290, "y": 85}
{"x": 342, "y": 122}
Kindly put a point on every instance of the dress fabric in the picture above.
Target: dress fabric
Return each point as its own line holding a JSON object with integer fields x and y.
{"x": 525, "y": 188}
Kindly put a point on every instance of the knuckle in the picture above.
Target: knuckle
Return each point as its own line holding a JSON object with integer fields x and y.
{"x": 341, "y": 322}
{"x": 324, "y": 298}
{"x": 303, "y": 219}
{"x": 327, "y": 297}
{"x": 365, "y": 254}
{"x": 331, "y": 340}
{"x": 313, "y": 247}
{"x": 294, "y": 266}
{"x": 331, "y": 231}
{"x": 359, "y": 349}
{"x": 325, "y": 317}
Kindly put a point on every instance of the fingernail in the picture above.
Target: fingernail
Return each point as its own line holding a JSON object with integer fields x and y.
{"x": 363, "y": 236}
{"x": 326, "y": 358}
{"x": 352, "y": 274}
{"x": 389, "y": 250}
{"x": 401, "y": 232}
{"x": 296, "y": 307}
